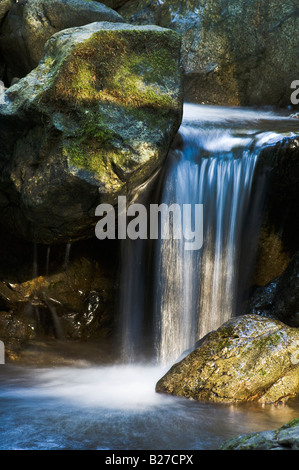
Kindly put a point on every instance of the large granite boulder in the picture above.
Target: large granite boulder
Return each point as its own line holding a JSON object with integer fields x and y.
{"x": 236, "y": 53}
{"x": 247, "y": 359}
{"x": 30, "y": 23}
{"x": 284, "y": 438}
{"x": 93, "y": 121}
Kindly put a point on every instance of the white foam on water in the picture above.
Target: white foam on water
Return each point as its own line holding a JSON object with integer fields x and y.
{"x": 127, "y": 387}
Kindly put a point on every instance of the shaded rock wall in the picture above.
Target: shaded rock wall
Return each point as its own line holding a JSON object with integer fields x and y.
{"x": 277, "y": 172}
{"x": 284, "y": 438}
{"x": 57, "y": 293}
{"x": 29, "y": 24}
{"x": 234, "y": 53}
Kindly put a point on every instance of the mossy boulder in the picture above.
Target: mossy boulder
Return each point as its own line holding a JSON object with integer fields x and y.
{"x": 29, "y": 24}
{"x": 234, "y": 53}
{"x": 93, "y": 121}
{"x": 284, "y": 438}
{"x": 247, "y": 359}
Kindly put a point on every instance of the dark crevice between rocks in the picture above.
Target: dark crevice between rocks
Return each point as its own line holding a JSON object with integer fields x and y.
{"x": 276, "y": 243}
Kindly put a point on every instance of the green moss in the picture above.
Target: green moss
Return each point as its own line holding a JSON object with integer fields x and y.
{"x": 119, "y": 67}
{"x": 115, "y": 72}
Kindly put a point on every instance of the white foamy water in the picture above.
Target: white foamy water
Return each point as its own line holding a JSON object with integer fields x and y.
{"x": 118, "y": 387}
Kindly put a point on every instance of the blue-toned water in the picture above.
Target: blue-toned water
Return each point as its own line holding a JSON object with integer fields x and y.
{"x": 116, "y": 408}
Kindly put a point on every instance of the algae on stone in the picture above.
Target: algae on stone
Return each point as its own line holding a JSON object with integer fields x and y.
{"x": 249, "y": 358}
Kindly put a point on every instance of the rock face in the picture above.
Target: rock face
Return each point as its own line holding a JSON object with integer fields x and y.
{"x": 284, "y": 438}
{"x": 66, "y": 293}
{"x": 277, "y": 171}
{"x": 94, "y": 120}
{"x": 233, "y": 52}
{"x": 280, "y": 298}
{"x": 249, "y": 358}
{"x": 30, "y": 23}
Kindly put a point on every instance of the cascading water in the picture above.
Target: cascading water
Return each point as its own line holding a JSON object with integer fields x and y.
{"x": 197, "y": 290}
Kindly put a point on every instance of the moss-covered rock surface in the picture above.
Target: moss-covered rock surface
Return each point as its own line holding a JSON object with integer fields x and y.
{"x": 284, "y": 438}
{"x": 249, "y": 358}
{"x": 93, "y": 121}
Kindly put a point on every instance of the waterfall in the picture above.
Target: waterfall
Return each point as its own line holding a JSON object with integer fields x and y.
{"x": 189, "y": 282}
{"x": 48, "y": 259}
{"x": 195, "y": 291}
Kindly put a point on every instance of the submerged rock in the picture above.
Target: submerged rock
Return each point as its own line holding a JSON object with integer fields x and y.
{"x": 284, "y": 438}
{"x": 234, "y": 53}
{"x": 94, "y": 120}
{"x": 249, "y": 358}
{"x": 29, "y": 24}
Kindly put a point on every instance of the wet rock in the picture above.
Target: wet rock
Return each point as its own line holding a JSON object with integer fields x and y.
{"x": 284, "y": 438}
{"x": 234, "y": 53}
{"x": 280, "y": 298}
{"x": 247, "y": 359}
{"x": 15, "y": 332}
{"x": 94, "y": 120}
{"x": 30, "y": 23}
{"x": 56, "y": 293}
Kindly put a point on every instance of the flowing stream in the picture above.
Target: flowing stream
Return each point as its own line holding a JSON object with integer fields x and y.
{"x": 170, "y": 297}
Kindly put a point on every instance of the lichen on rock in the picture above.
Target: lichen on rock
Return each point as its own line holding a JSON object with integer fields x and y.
{"x": 247, "y": 359}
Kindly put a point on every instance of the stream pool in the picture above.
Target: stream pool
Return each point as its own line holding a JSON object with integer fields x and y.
{"x": 89, "y": 407}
